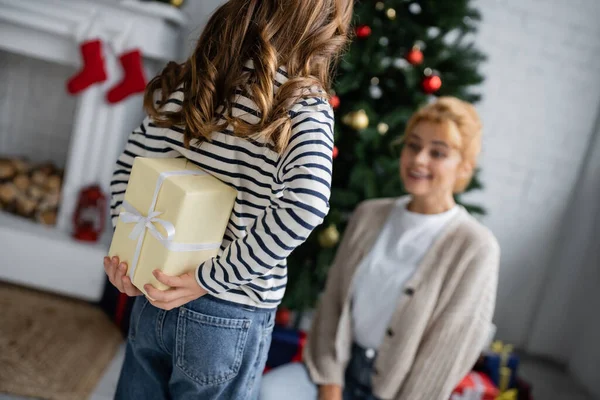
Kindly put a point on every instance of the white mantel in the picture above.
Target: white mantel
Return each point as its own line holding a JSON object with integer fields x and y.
{"x": 52, "y": 30}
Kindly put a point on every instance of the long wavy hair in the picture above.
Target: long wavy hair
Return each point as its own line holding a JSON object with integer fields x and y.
{"x": 304, "y": 36}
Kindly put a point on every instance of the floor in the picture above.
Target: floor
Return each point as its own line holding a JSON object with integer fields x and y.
{"x": 105, "y": 390}
{"x": 549, "y": 383}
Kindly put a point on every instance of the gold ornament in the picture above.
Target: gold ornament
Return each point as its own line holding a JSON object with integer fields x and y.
{"x": 329, "y": 237}
{"x": 382, "y": 128}
{"x": 176, "y": 3}
{"x": 358, "y": 120}
{"x": 391, "y": 13}
{"x": 379, "y": 6}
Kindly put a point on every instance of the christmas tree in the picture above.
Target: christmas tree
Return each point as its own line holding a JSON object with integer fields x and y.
{"x": 403, "y": 54}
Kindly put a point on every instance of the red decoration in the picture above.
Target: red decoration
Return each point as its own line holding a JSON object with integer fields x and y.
{"x": 90, "y": 214}
{"x": 335, "y": 102}
{"x": 431, "y": 84}
{"x": 478, "y": 384}
{"x": 133, "y": 80}
{"x": 283, "y": 317}
{"x": 415, "y": 56}
{"x": 363, "y": 31}
{"x": 122, "y": 301}
{"x": 336, "y": 152}
{"x": 302, "y": 342}
{"x": 93, "y": 67}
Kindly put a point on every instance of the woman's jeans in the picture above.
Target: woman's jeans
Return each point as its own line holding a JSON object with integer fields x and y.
{"x": 206, "y": 349}
{"x": 292, "y": 382}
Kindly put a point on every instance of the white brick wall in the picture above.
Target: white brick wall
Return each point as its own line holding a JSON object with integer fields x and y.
{"x": 541, "y": 99}
{"x": 31, "y": 126}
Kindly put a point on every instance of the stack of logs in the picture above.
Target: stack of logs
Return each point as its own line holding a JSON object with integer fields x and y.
{"x": 31, "y": 191}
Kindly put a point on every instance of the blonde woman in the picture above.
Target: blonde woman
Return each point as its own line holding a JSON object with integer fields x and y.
{"x": 409, "y": 300}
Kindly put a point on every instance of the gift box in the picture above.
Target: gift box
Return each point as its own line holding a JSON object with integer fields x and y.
{"x": 501, "y": 364}
{"x": 287, "y": 345}
{"x": 524, "y": 390}
{"x": 173, "y": 218}
{"x": 475, "y": 386}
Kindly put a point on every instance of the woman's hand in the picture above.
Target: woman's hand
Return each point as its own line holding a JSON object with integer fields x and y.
{"x": 184, "y": 288}
{"x": 330, "y": 392}
{"x": 117, "y": 275}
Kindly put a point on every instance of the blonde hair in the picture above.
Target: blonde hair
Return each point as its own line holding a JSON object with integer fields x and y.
{"x": 304, "y": 36}
{"x": 464, "y": 117}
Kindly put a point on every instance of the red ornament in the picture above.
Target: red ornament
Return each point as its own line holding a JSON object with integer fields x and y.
{"x": 336, "y": 152}
{"x": 363, "y": 31}
{"x": 431, "y": 84}
{"x": 90, "y": 214}
{"x": 335, "y": 102}
{"x": 415, "y": 56}
{"x": 283, "y": 317}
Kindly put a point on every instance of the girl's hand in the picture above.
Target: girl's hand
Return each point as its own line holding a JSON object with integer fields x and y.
{"x": 117, "y": 275}
{"x": 330, "y": 392}
{"x": 184, "y": 288}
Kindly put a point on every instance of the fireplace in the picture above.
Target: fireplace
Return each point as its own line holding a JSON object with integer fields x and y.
{"x": 34, "y": 135}
{"x": 74, "y": 140}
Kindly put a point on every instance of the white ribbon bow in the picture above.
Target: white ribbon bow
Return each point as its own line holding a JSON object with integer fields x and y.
{"x": 131, "y": 215}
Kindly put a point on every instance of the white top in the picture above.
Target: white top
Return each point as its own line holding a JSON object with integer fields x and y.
{"x": 380, "y": 278}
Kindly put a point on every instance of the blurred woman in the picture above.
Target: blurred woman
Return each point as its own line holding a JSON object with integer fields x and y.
{"x": 409, "y": 300}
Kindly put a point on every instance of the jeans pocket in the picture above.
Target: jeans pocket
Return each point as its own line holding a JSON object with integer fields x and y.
{"x": 139, "y": 305}
{"x": 209, "y": 350}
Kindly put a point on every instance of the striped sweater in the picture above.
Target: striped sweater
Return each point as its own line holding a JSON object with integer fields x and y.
{"x": 281, "y": 198}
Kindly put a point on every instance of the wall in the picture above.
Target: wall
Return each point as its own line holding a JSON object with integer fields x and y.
{"x": 30, "y": 125}
{"x": 542, "y": 95}
{"x": 584, "y": 333}
{"x": 566, "y": 326}
{"x": 198, "y": 13}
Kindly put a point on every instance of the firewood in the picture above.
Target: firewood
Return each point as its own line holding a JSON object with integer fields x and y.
{"x": 21, "y": 165}
{"x": 8, "y": 193}
{"x": 36, "y": 192}
{"x": 47, "y": 217}
{"x": 53, "y": 183}
{"x": 21, "y": 181}
{"x": 25, "y": 206}
{"x": 47, "y": 168}
{"x": 7, "y": 170}
{"x": 51, "y": 200}
{"x": 39, "y": 177}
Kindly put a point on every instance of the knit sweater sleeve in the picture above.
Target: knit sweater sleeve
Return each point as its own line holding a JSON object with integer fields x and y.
{"x": 145, "y": 141}
{"x": 455, "y": 337}
{"x": 305, "y": 172}
{"x": 320, "y": 355}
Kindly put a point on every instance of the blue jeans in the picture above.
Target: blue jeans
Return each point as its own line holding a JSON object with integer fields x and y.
{"x": 207, "y": 349}
{"x": 292, "y": 381}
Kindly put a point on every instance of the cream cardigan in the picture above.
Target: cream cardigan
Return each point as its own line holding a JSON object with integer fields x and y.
{"x": 440, "y": 324}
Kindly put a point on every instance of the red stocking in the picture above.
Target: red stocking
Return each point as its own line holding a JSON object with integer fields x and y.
{"x": 93, "y": 67}
{"x": 133, "y": 79}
